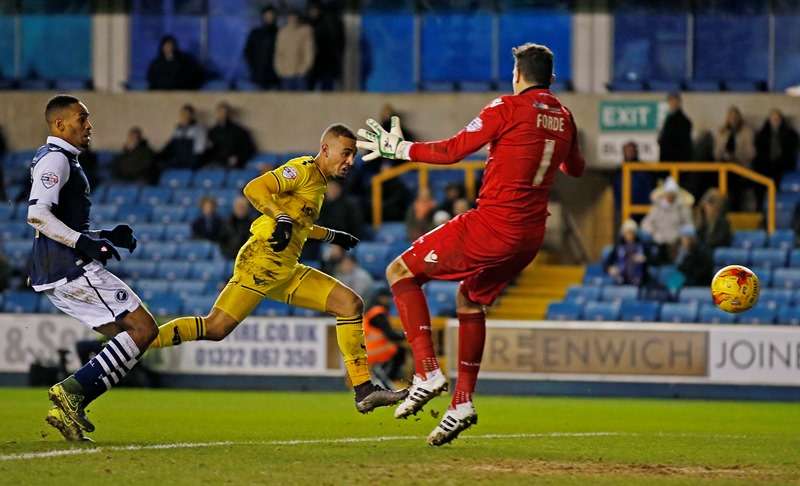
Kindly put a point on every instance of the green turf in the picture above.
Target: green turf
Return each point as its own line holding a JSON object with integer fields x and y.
{"x": 669, "y": 441}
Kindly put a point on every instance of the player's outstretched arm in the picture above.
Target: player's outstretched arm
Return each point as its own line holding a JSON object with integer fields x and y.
{"x": 341, "y": 238}
{"x": 259, "y": 192}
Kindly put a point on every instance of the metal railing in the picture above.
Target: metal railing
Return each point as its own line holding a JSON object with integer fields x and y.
{"x": 470, "y": 179}
{"x": 676, "y": 168}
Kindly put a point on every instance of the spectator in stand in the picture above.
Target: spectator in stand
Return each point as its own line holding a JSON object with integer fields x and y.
{"x": 294, "y": 53}
{"x": 419, "y": 217}
{"x": 670, "y": 210}
{"x": 209, "y": 225}
{"x": 230, "y": 144}
{"x": 461, "y": 206}
{"x": 395, "y": 197}
{"x": 328, "y": 28}
{"x": 675, "y": 138}
{"x": 776, "y": 151}
{"x": 385, "y": 351}
{"x": 260, "y": 50}
{"x": 340, "y": 212}
{"x": 693, "y": 259}
{"x": 627, "y": 261}
{"x": 174, "y": 69}
{"x": 453, "y": 191}
{"x": 713, "y": 227}
{"x": 734, "y": 143}
{"x": 237, "y": 228}
{"x": 350, "y": 273}
{"x": 136, "y": 162}
{"x": 188, "y": 143}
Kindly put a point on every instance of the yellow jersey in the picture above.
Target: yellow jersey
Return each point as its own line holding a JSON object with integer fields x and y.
{"x": 301, "y": 191}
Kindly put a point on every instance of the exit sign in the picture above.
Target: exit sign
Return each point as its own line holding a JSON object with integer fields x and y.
{"x": 629, "y": 116}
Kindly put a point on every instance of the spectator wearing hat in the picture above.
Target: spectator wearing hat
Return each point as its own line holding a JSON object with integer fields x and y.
{"x": 670, "y": 210}
{"x": 693, "y": 259}
{"x": 627, "y": 261}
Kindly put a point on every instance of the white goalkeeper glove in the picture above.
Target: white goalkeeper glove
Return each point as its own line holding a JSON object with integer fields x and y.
{"x": 380, "y": 143}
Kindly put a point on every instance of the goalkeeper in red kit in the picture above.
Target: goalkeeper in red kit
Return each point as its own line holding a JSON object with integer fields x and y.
{"x": 531, "y": 135}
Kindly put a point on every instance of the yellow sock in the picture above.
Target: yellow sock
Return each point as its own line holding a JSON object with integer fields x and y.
{"x": 350, "y": 336}
{"x": 179, "y": 330}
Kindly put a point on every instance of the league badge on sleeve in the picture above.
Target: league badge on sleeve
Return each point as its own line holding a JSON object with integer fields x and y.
{"x": 289, "y": 172}
{"x": 49, "y": 179}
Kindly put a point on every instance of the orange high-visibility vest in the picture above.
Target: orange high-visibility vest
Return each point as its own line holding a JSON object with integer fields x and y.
{"x": 379, "y": 348}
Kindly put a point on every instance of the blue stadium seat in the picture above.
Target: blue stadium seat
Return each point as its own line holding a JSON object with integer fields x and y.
{"x": 137, "y": 85}
{"x": 104, "y": 213}
{"x": 156, "y": 251}
{"x": 794, "y": 258}
{"x": 744, "y": 85}
{"x": 373, "y": 257}
{"x": 788, "y": 315}
{"x": 245, "y": 85}
{"x": 639, "y": 311}
{"x": 775, "y": 298}
{"x": 15, "y": 230}
{"x": 303, "y": 312}
{"x": 35, "y": 85}
{"x": 20, "y": 302}
{"x": 212, "y": 271}
{"x": 564, "y": 311}
{"x": 188, "y": 197}
{"x": 197, "y": 250}
{"x": 65, "y": 85}
{"x": 155, "y": 195}
{"x": 263, "y": 158}
{"x": 601, "y": 311}
{"x": 618, "y": 293}
{"x": 6, "y": 211}
{"x": 784, "y": 239}
{"x": 268, "y": 307}
{"x": 698, "y": 295}
{"x": 769, "y": 257}
{"x": 198, "y": 305}
{"x": 711, "y": 314}
{"x": 702, "y": 85}
{"x": 442, "y": 296}
{"x": 786, "y": 201}
{"x": 790, "y": 182}
{"x": 20, "y": 212}
{"x": 166, "y": 304}
{"x": 786, "y": 278}
{"x": 45, "y": 306}
{"x": 666, "y": 85}
{"x": 625, "y": 85}
{"x": 475, "y": 86}
{"x": 17, "y": 250}
{"x": 441, "y": 309}
{"x": 731, "y": 256}
{"x": 595, "y": 275}
{"x": 169, "y": 214}
{"x": 147, "y": 288}
{"x": 188, "y": 287}
{"x": 216, "y": 85}
{"x": 237, "y": 179}
{"x": 179, "y": 232}
{"x": 764, "y": 275}
{"x": 133, "y": 214}
{"x": 758, "y": 315}
{"x": 580, "y": 294}
{"x": 173, "y": 270}
{"x": 137, "y": 269}
{"x": 679, "y": 312}
{"x": 749, "y": 239}
{"x": 437, "y": 86}
{"x": 149, "y": 232}
{"x": 176, "y": 178}
{"x": 121, "y": 194}
{"x": 209, "y": 178}
{"x": 392, "y": 232}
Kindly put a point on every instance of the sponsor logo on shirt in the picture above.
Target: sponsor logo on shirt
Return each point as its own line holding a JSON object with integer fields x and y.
{"x": 431, "y": 257}
{"x": 289, "y": 173}
{"x": 475, "y": 125}
{"x": 49, "y": 179}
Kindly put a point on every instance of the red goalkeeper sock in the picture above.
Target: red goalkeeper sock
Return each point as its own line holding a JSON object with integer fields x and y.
{"x": 471, "y": 336}
{"x": 413, "y": 310}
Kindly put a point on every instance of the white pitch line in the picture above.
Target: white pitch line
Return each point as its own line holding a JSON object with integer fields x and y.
{"x": 345, "y": 440}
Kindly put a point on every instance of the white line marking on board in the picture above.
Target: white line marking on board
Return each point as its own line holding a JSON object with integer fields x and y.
{"x": 346, "y": 440}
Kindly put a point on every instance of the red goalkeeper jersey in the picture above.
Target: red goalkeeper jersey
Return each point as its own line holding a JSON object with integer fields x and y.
{"x": 530, "y": 135}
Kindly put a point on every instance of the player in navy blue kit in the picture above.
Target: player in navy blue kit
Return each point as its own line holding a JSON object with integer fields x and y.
{"x": 68, "y": 266}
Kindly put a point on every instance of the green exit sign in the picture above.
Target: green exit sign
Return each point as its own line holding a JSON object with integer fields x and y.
{"x": 628, "y": 116}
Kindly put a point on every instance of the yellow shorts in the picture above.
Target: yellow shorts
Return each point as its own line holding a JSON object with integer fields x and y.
{"x": 263, "y": 274}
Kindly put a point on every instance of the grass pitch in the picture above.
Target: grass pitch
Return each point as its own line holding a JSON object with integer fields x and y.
{"x": 200, "y": 437}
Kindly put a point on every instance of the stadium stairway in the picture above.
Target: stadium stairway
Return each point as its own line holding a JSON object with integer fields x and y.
{"x": 538, "y": 285}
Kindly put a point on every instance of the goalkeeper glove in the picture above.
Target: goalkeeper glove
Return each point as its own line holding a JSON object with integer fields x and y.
{"x": 98, "y": 249}
{"x": 345, "y": 240}
{"x": 380, "y": 143}
{"x": 121, "y": 236}
{"x": 283, "y": 233}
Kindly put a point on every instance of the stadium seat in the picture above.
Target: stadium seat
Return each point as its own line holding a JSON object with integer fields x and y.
{"x": 121, "y": 194}
{"x": 17, "y": 250}
{"x": 666, "y": 85}
{"x": 155, "y": 195}
{"x": 168, "y": 214}
{"x": 679, "y": 312}
{"x": 786, "y": 278}
{"x": 19, "y": 302}
{"x": 783, "y": 239}
{"x": 65, "y": 85}
{"x": 149, "y": 288}
{"x": 786, "y": 201}
{"x": 625, "y": 85}
{"x": 437, "y": 86}
{"x": 303, "y": 312}
{"x": 157, "y": 251}
{"x": 137, "y": 85}
{"x": 580, "y": 294}
{"x": 731, "y": 256}
{"x": 149, "y": 232}
{"x": 179, "y": 232}
{"x": 749, "y": 239}
{"x": 20, "y": 212}
{"x": 15, "y": 230}
{"x": 264, "y": 158}
{"x": 373, "y": 257}
{"x": 702, "y": 85}
{"x": 699, "y": 295}
{"x": 216, "y": 85}
{"x": 133, "y": 213}
{"x": 743, "y": 85}
{"x": 639, "y": 311}
{"x": 618, "y": 293}
{"x": 245, "y": 85}
{"x": 794, "y": 258}
{"x": 268, "y": 307}
{"x": 601, "y": 311}
{"x": 35, "y": 85}
{"x": 775, "y": 298}
{"x": 166, "y": 304}
{"x": 188, "y": 196}
{"x": 197, "y": 250}
{"x": 176, "y": 178}
{"x": 758, "y": 315}
{"x": 6, "y": 212}
{"x": 237, "y": 179}
{"x": 45, "y": 306}
{"x": 790, "y": 182}
{"x": 212, "y": 270}
{"x": 200, "y": 305}
{"x": 173, "y": 270}
{"x": 188, "y": 287}
{"x": 764, "y": 275}
{"x": 564, "y": 311}
{"x": 788, "y": 315}
{"x": 392, "y": 232}
{"x": 595, "y": 275}
{"x": 137, "y": 269}
{"x": 442, "y": 296}
{"x": 711, "y": 314}
{"x": 104, "y": 213}
{"x": 475, "y": 86}
{"x": 209, "y": 178}
{"x": 768, "y": 257}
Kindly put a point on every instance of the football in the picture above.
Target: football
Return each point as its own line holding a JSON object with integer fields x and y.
{"x": 735, "y": 289}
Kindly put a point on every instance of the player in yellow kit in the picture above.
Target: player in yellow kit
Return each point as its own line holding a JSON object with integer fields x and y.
{"x": 290, "y": 198}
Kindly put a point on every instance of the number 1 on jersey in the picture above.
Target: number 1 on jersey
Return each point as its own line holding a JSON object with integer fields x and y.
{"x": 544, "y": 164}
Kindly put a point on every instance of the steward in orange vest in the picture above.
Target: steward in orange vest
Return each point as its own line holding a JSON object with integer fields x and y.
{"x": 384, "y": 354}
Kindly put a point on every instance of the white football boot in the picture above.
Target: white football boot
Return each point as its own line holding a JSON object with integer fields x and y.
{"x": 421, "y": 392}
{"x": 454, "y": 421}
